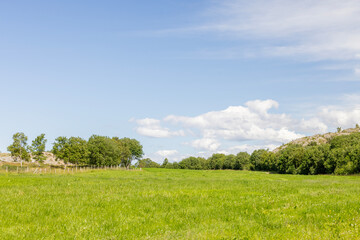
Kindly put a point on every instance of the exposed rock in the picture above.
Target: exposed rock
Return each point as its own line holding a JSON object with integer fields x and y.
{"x": 50, "y": 159}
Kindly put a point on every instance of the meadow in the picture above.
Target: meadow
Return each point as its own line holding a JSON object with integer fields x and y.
{"x": 178, "y": 204}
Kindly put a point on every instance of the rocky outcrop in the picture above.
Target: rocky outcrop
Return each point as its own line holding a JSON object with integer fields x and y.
{"x": 50, "y": 159}
{"x": 318, "y": 138}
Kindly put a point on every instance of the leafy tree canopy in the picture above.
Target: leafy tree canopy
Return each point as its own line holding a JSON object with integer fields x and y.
{"x": 38, "y": 148}
{"x": 19, "y": 148}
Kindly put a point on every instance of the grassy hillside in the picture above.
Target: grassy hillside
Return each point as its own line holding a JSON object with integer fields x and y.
{"x": 178, "y": 204}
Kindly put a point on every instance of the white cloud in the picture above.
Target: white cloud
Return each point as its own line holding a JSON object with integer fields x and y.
{"x": 313, "y": 125}
{"x": 167, "y": 153}
{"x": 337, "y": 117}
{"x": 206, "y": 144}
{"x": 249, "y": 148}
{"x": 251, "y": 126}
{"x": 345, "y": 114}
{"x": 152, "y": 128}
{"x": 250, "y": 122}
{"x": 320, "y": 29}
{"x": 230, "y": 130}
{"x": 309, "y": 30}
{"x": 262, "y": 107}
{"x": 171, "y": 155}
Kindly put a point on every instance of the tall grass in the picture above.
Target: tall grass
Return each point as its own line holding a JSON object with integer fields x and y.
{"x": 178, "y": 204}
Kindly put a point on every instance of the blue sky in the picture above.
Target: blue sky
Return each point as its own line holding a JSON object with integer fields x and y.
{"x": 184, "y": 78}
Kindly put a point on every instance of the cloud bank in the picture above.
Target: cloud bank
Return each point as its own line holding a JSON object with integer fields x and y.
{"x": 256, "y": 124}
{"x": 239, "y": 123}
{"x": 254, "y": 121}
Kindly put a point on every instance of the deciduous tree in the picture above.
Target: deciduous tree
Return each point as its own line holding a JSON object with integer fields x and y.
{"x": 38, "y": 148}
{"x": 19, "y": 149}
{"x": 131, "y": 150}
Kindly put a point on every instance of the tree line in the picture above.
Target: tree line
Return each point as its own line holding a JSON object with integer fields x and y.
{"x": 340, "y": 155}
{"x": 217, "y": 161}
{"x": 97, "y": 150}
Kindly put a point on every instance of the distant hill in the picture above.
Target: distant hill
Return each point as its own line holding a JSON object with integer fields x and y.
{"x": 318, "y": 138}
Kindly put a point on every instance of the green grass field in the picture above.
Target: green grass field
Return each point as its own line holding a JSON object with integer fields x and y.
{"x": 178, "y": 204}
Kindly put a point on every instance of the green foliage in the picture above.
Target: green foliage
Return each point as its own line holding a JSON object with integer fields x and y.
{"x": 130, "y": 149}
{"x": 103, "y": 151}
{"x": 19, "y": 148}
{"x": 340, "y": 156}
{"x": 294, "y": 159}
{"x": 125, "y": 153}
{"x": 38, "y": 148}
{"x": 345, "y": 141}
{"x": 195, "y": 163}
{"x": 229, "y": 162}
{"x": 60, "y": 148}
{"x": 98, "y": 150}
{"x": 174, "y": 165}
{"x": 73, "y": 150}
{"x": 242, "y": 161}
{"x": 78, "y": 152}
{"x": 259, "y": 160}
{"x": 216, "y": 161}
{"x": 147, "y": 163}
{"x": 169, "y": 166}
{"x": 165, "y": 163}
